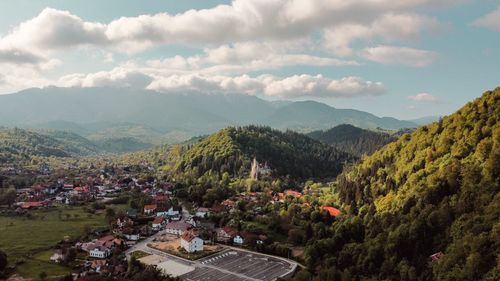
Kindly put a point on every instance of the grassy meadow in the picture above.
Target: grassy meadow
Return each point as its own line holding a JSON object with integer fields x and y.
{"x": 28, "y": 240}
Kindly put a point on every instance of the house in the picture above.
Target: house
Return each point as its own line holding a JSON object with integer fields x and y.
{"x": 100, "y": 252}
{"x": 261, "y": 239}
{"x": 158, "y": 223}
{"x": 202, "y": 212}
{"x": 177, "y": 228}
{"x": 167, "y": 210}
{"x": 226, "y": 234}
{"x": 98, "y": 265}
{"x": 159, "y": 198}
{"x": 150, "y": 209}
{"x": 333, "y": 212}
{"x": 132, "y": 213}
{"x": 31, "y": 205}
{"x": 122, "y": 222}
{"x": 238, "y": 239}
{"x": 293, "y": 193}
{"x": 146, "y": 230}
{"x": 81, "y": 189}
{"x": 58, "y": 256}
{"x": 437, "y": 256}
{"x": 107, "y": 241}
{"x": 191, "y": 243}
{"x": 131, "y": 234}
{"x": 228, "y": 203}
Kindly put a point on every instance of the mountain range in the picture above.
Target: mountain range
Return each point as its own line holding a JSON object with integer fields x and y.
{"x": 104, "y": 114}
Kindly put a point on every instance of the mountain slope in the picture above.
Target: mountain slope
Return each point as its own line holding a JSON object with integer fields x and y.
{"x": 287, "y": 153}
{"x": 353, "y": 140}
{"x": 434, "y": 190}
{"x": 310, "y": 115}
{"x": 95, "y": 111}
{"x": 79, "y": 144}
{"x": 19, "y": 146}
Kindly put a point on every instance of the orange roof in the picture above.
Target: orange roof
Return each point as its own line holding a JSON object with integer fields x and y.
{"x": 150, "y": 207}
{"x": 332, "y": 211}
{"x": 188, "y": 236}
{"x": 158, "y": 220}
{"x": 293, "y": 193}
{"x": 29, "y": 205}
{"x": 107, "y": 238}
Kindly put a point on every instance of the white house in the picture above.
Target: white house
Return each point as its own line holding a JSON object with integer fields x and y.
{"x": 170, "y": 212}
{"x": 132, "y": 237}
{"x": 158, "y": 223}
{"x": 191, "y": 243}
{"x": 177, "y": 228}
{"x": 238, "y": 240}
{"x": 202, "y": 212}
{"x": 58, "y": 256}
{"x": 100, "y": 252}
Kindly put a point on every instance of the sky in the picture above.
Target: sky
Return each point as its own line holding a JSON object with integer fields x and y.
{"x": 405, "y": 59}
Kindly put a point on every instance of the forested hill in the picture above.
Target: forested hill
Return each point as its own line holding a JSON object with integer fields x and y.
{"x": 352, "y": 139}
{"x": 20, "y": 146}
{"x": 287, "y": 153}
{"x": 435, "y": 190}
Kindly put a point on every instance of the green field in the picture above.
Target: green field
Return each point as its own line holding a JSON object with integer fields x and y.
{"x": 39, "y": 262}
{"x": 29, "y": 239}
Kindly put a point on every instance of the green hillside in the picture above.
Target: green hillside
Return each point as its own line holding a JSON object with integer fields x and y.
{"x": 287, "y": 153}
{"x": 353, "y": 140}
{"x": 435, "y": 190}
{"x": 76, "y": 144}
{"x": 18, "y": 146}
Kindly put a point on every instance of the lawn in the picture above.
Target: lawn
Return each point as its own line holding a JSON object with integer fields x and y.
{"x": 39, "y": 262}
{"x": 139, "y": 254}
{"x": 21, "y": 237}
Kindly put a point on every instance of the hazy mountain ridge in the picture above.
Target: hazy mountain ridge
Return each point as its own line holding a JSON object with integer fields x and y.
{"x": 93, "y": 112}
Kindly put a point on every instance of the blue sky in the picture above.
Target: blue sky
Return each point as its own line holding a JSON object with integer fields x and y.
{"x": 406, "y": 60}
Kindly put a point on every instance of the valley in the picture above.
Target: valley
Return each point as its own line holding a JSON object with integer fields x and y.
{"x": 331, "y": 205}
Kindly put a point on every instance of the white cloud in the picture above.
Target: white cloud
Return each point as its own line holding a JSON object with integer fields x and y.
{"x": 118, "y": 77}
{"x": 491, "y": 20}
{"x": 388, "y": 27}
{"x": 242, "y": 20}
{"x": 245, "y": 57}
{"x": 287, "y": 87}
{"x": 54, "y": 29}
{"x": 319, "y": 86}
{"x": 424, "y": 97}
{"x": 242, "y": 37}
{"x": 399, "y": 55}
{"x": 19, "y": 56}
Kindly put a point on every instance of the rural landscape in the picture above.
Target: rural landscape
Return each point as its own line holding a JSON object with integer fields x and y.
{"x": 211, "y": 141}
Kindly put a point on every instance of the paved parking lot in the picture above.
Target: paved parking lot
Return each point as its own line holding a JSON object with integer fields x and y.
{"x": 211, "y": 274}
{"x": 244, "y": 265}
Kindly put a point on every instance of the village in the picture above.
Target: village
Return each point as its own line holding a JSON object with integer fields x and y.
{"x": 154, "y": 227}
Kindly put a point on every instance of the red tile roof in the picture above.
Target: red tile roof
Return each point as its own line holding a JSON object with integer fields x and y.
{"x": 29, "y": 205}
{"x": 150, "y": 207}
{"x": 158, "y": 220}
{"x": 188, "y": 236}
{"x": 293, "y": 193}
{"x": 334, "y": 212}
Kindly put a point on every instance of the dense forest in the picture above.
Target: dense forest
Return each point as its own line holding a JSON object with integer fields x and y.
{"x": 20, "y": 146}
{"x": 353, "y": 140}
{"x": 287, "y": 153}
{"x": 434, "y": 191}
